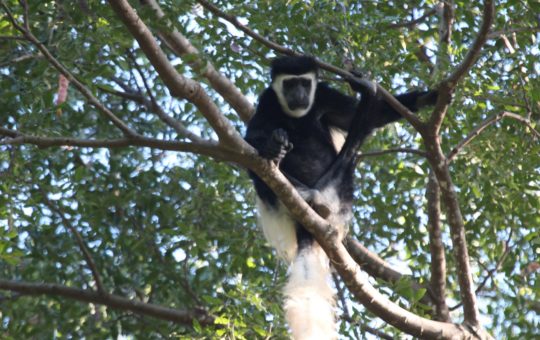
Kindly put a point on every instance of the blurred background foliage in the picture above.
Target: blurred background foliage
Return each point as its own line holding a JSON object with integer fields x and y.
{"x": 180, "y": 230}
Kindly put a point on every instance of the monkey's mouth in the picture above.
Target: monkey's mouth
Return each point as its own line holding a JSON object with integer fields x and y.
{"x": 298, "y": 104}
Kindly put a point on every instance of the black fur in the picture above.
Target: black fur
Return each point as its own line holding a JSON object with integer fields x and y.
{"x": 303, "y": 146}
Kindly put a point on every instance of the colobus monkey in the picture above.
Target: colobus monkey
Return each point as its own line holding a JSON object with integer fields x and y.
{"x": 313, "y": 132}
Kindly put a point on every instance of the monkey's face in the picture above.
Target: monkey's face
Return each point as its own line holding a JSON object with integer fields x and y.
{"x": 295, "y": 93}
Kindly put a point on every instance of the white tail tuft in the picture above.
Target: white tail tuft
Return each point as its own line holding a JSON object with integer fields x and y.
{"x": 309, "y": 299}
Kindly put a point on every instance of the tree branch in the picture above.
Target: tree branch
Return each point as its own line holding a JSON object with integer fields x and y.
{"x": 488, "y": 16}
{"x": 348, "y": 269}
{"x": 439, "y": 165}
{"x": 185, "y": 317}
{"x": 208, "y": 148}
{"x": 499, "y": 34}
{"x": 485, "y": 124}
{"x": 387, "y": 151}
{"x": 447, "y": 14}
{"x": 375, "y": 266}
{"x": 60, "y": 68}
{"x": 492, "y": 271}
{"x": 178, "y": 85}
{"x": 413, "y": 23}
{"x": 447, "y": 86}
{"x": 12, "y": 37}
{"x": 80, "y": 242}
{"x": 152, "y": 105}
{"x": 436, "y": 247}
{"x": 182, "y": 47}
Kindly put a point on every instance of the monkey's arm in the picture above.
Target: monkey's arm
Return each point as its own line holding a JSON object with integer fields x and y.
{"x": 335, "y": 108}
{"x": 264, "y": 132}
{"x": 381, "y": 113}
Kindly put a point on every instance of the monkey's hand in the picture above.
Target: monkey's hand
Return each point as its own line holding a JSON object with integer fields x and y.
{"x": 277, "y": 146}
{"x": 429, "y": 98}
{"x": 360, "y": 84}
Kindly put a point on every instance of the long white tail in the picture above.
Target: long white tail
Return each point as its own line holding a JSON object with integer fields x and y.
{"x": 309, "y": 299}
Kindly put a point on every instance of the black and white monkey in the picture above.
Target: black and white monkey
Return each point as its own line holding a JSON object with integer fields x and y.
{"x": 313, "y": 132}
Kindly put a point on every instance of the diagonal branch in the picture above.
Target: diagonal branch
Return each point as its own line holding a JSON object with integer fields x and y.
{"x": 447, "y": 86}
{"x": 80, "y": 242}
{"x": 178, "y": 85}
{"x": 223, "y": 85}
{"x": 485, "y": 124}
{"x": 412, "y": 23}
{"x": 127, "y": 131}
{"x": 473, "y": 54}
{"x": 153, "y": 106}
{"x": 348, "y": 269}
{"x": 375, "y": 266}
{"x": 185, "y": 317}
{"x": 492, "y": 271}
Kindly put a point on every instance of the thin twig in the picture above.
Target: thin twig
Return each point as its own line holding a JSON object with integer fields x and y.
{"x": 153, "y": 106}
{"x": 395, "y": 150}
{"x": 12, "y": 37}
{"x": 485, "y": 124}
{"x": 56, "y": 64}
{"x": 80, "y": 241}
{"x": 413, "y": 23}
{"x": 498, "y": 34}
{"x": 492, "y": 271}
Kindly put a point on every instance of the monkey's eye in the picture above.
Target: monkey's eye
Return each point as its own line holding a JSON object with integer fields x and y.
{"x": 305, "y": 82}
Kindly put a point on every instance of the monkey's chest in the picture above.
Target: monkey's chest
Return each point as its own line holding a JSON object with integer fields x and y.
{"x": 312, "y": 154}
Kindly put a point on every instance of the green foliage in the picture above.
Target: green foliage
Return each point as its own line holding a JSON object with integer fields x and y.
{"x": 179, "y": 230}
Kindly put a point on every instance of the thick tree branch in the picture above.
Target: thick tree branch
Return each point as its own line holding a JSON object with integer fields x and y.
{"x": 439, "y": 165}
{"x": 185, "y": 317}
{"x": 182, "y": 47}
{"x": 436, "y": 247}
{"x": 473, "y": 54}
{"x": 178, "y": 85}
{"x": 60, "y": 68}
{"x": 346, "y": 266}
{"x": 348, "y": 269}
{"x": 375, "y": 266}
{"x": 447, "y": 86}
